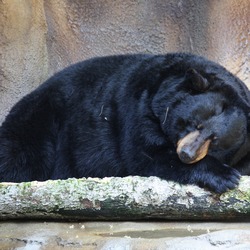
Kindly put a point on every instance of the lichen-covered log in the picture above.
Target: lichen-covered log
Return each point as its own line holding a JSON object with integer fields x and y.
{"x": 127, "y": 198}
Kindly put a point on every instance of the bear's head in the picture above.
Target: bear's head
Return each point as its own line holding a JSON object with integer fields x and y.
{"x": 204, "y": 113}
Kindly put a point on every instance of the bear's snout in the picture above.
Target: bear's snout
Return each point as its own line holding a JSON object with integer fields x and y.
{"x": 193, "y": 147}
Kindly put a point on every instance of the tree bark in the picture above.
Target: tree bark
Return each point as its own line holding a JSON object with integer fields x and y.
{"x": 129, "y": 198}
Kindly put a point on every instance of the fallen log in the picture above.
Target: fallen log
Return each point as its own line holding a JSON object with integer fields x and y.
{"x": 129, "y": 198}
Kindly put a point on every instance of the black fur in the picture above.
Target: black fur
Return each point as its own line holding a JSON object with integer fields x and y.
{"x": 123, "y": 115}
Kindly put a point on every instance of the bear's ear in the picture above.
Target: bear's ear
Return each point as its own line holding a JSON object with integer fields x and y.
{"x": 197, "y": 81}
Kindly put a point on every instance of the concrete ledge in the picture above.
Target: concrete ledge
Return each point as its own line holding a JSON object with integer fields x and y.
{"x": 124, "y": 235}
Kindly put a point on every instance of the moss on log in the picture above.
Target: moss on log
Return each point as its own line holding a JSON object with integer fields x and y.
{"x": 129, "y": 198}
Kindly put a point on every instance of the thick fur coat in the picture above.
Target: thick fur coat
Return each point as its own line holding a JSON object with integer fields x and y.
{"x": 176, "y": 116}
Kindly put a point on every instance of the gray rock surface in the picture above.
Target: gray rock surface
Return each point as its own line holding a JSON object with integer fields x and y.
{"x": 124, "y": 235}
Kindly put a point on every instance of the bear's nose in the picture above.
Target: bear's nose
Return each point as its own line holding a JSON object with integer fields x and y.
{"x": 193, "y": 147}
{"x": 186, "y": 155}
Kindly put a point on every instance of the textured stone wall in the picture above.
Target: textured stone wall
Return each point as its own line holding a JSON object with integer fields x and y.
{"x": 23, "y": 49}
{"x": 38, "y": 38}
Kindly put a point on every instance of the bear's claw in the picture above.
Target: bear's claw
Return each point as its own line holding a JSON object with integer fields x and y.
{"x": 224, "y": 182}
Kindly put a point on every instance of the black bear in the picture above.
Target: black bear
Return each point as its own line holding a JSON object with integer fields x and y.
{"x": 177, "y": 116}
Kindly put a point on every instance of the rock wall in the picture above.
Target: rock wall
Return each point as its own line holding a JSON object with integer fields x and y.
{"x": 23, "y": 49}
{"x": 41, "y": 37}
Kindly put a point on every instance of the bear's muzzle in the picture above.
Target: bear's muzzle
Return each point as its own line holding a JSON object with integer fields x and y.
{"x": 193, "y": 147}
